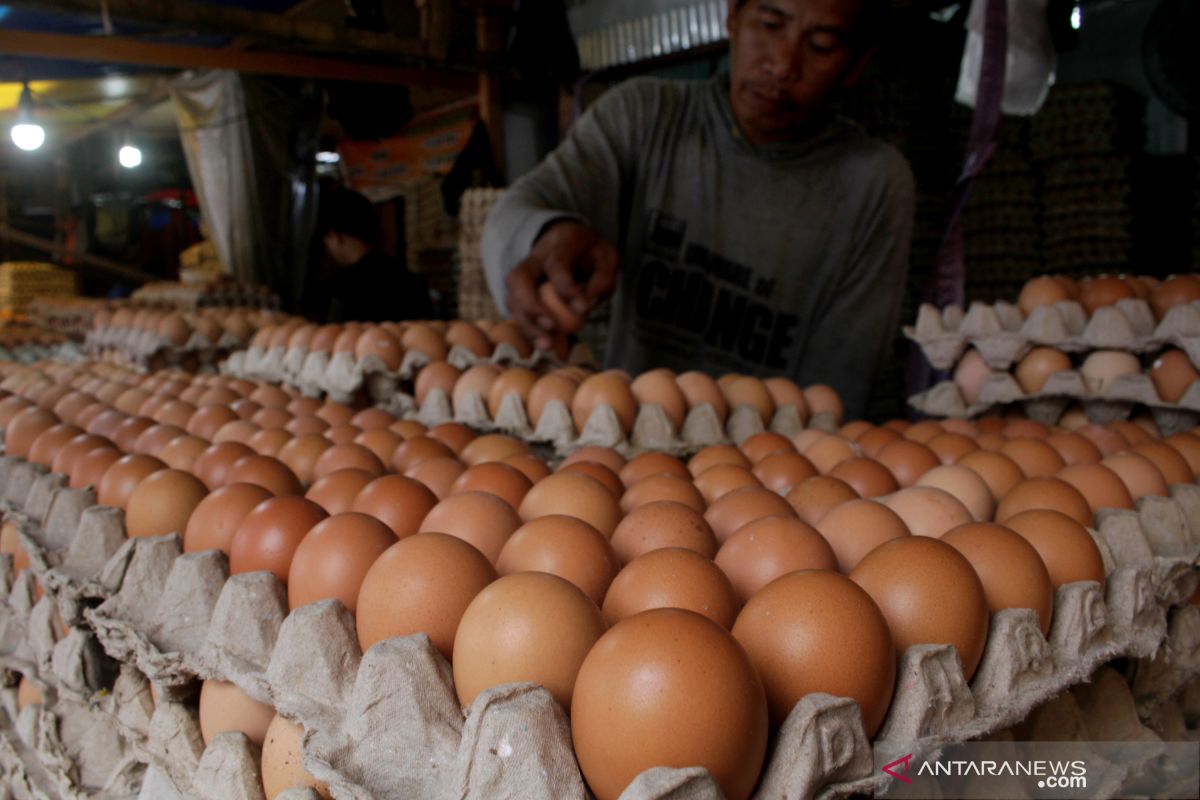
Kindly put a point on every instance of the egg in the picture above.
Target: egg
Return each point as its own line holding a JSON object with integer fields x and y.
{"x": 780, "y": 471}
{"x": 608, "y": 389}
{"x": 928, "y": 511}
{"x": 1176, "y": 290}
{"x": 380, "y": 343}
{"x": 733, "y": 510}
{"x": 478, "y": 518}
{"x": 529, "y": 465}
{"x": 662, "y": 524}
{"x": 549, "y": 388}
{"x": 123, "y": 477}
{"x": 819, "y": 632}
{"x": 1035, "y": 457}
{"x": 1041, "y": 291}
{"x": 437, "y": 474}
{"x": 748, "y": 391}
{"x": 1074, "y": 448}
{"x": 767, "y": 548}
{"x": 347, "y": 456}
{"x": 267, "y": 472}
{"x": 224, "y": 707}
{"x": 372, "y": 419}
{"x": 501, "y": 480}
{"x": 477, "y": 380}
{"x": 866, "y": 476}
{"x": 491, "y": 447}
{"x": 529, "y": 626}
{"x": 89, "y": 468}
{"x": 668, "y": 688}
{"x": 398, "y": 502}
{"x": 213, "y": 465}
{"x": 215, "y": 520}
{"x": 929, "y": 594}
{"x": 652, "y": 463}
{"x": 281, "y": 761}
{"x": 1101, "y": 369}
{"x": 907, "y": 460}
{"x": 50, "y": 442}
{"x": 517, "y": 381}
{"x": 76, "y": 448}
{"x": 1188, "y": 446}
{"x": 1099, "y": 485}
{"x": 699, "y": 389}
{"x": 601, "y": 473}
{"x": 815, "y": 497}
{"x": 924, "y": 430}
{"x": 1172, "y": 374}
{"x": 785, "y": 392}
{"x": 671, "y": 577}
{"x": 508, "y": 333}
{"x": 575, "y": 495}
{"x": 856, "y": 527}
{"x": 1170, "y": 463}
{"x": 1065, "y": 547}
{"x": 380, "y": 441}
{"x": 422, "y": 584}
{"x": 562, "y": 546}
{"x": 435, "y": 375}
{"x": 1051, "y": 493}
{"x": 413, "y": 451}
{"x": 332, "y": 560}
{"x": 1037, "y": 366}
{"x": 267, "y": 536}
{"x": 1010, "y": 569}
{"x": 662, "y": 487}
{"x": 470, "y": 337}
{"x": 162, "y": 503}
{"x": 966, "y": 486}
{"x": 1102, "y": 291}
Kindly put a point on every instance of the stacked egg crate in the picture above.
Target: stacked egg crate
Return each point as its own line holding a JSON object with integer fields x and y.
{"x": 999, "y": 336}
{"x": 1083, "y": 142}
{"x": 95, "y": 619}
{"x": 211, "y": 294}
{"x": 72, "y": 316}
{"x": 22, "y": 282}
{"x": 474, "y": 297}
{"x": 1001, "y": 223}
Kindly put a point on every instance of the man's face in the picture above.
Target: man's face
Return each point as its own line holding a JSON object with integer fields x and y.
{"x": 787, "y": 57}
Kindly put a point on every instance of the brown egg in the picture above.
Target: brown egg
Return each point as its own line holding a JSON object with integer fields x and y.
{"x": 422, "y": 584}
{"x": 1041, "y": 362}
{"x": 347, "y": 456}
{"x": 781, "y": 471}
{"x": 601, "y": 455}
{"x": 1170, "y": 463}
{"x": 491, "y": 447}
{"x": 718, "y": 481}
{"x": 529, "y": 465}
{"x": 50, "y": 442}
{"x": 380, "y": 343}
{"x": 668, "y": 670}
{"x": 1051, "y": 493}
{"x": 662, "y": 487}
{"x": 224, "y": 708}
{"x": 924, "y": 430}
{"x": 1187, "y": 445}
{"x": 652, "y": 463}
{"x": 213, "y": 465}
{"x": 608, "y": 389}
{"x": 1101, "y": 369}
{"x": 1016, "y": 427}
{"x": 77, "y": 447}
{"x": 477, "y": 380}
{"x": 162, "y": 503}
{"x": 507, "y": 332}
{"x": 785, "y": 392}
{"x": 1103, "y": 291}
{"x": 575, "y": 495}
{"x": 562, "y": 546}
{"x": 930, "y": 594}
{"x": 819, "y": 632}
{"x": 267, "y": 472}
{"x": 336, "y": 414}
{"x": 478, "y": 518}
{"x": 928, "y": 511}
{"x": 827, "y": 452}
{"x": 907, "y": 460}
{"x": 1107, "y": 441}
{"x": 399, "y": 502}
{"x": 761, "y": 445}
{"x": 965, "y": 485}
{"x": 950, "y": 447}
{"x": 856, "y": 527}
{"x": 1074, "y": 448}
{"x": 267, "y": 536}
{"x": 662, "y": 524}
{"x": 417, "y": 449}
{"x": 1172, "y": 374}
{"x": 549, "y": 388}
{"x": 815, "y": 497}
{"x": 89, "y": 468}
{"x": 672, "y": 577}
{"x": 336, "y": 491}
{"x": 1035, "y": 457}
{"x": 332, "y": 560}
{"x": 658, "y": 387}
{"x": 281, "y": 761}
{"x": 866, "y": 476}
{"x": 125, "y": 474}
{"x": 875, "y": 440}
{"x": 748, "y": 391}
{"x": 1010, "y": 569}
{"x": 1065, "y": 547}
{"x": 530, "y": 626}
{"x": 998, "y": 471}
{"x": 1176, "y": 290}
{"x": 207, "y": 420}
{"x": 733, "y": 510}
{"x": 517, "y": 381}
{"x": 1041, "y": 291}
{"x": 437, "y": 474}
{"x": 699, "y": 388}
{"x": 763, "y": 550}
{"x": 215, "y": 520}
{"x": 1099, "y": 485}
{"x": 435, "y": 375}
{"x": 824, "y": 399}
{"x": 501, "y": 480}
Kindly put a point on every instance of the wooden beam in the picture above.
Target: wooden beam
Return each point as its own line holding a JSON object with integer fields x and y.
{"x": 96, "y": 263}
{"x": 181, "y": 15}
{"x": 121, "y": 50}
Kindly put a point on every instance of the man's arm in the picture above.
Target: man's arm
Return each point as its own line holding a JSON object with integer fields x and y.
{"x": 855, "y": 334}
{"x": 586, "y": 180}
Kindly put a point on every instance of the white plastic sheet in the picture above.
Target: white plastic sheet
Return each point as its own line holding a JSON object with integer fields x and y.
{"x": 1031, "y": 63}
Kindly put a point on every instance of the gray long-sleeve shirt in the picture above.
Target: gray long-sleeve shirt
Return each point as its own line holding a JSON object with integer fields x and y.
{"x": 779, "y": 260}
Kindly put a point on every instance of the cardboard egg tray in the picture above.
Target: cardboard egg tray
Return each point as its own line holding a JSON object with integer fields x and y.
{"x": 1003, "y": 335}
{"x": 387, "y": 723}
{"x": 146, "y": 351}
{"x": 1061, "y": 390}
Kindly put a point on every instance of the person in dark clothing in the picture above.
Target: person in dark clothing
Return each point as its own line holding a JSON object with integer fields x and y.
{"x": 368, "y": 285}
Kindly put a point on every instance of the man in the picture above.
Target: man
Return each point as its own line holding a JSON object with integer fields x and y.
{"x": 742, "y": 224}
{"x": 368, "y": 285}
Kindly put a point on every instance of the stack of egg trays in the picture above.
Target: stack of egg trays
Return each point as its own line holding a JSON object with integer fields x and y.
{"x": 1002, "y": 336}
{"x": 341, "y": 377}
{"x": 146, "y": 351}
{"x": 388, "y": 723}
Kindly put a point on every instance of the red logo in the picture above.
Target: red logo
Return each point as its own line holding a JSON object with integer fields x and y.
{"x": 903, "y": 774}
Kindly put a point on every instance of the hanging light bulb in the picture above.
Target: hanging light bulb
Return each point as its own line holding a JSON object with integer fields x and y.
{"x": 27, "y": 134}
{"x": 129, "y": 156}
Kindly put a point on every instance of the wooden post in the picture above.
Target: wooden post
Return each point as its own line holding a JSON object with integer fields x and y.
{"x": 491, "y": 108}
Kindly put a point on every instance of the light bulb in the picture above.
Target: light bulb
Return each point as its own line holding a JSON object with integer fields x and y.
{"x": 1077, "y": 17}
{"x": 129, "y": 156}
{"x": 28, "y": 135}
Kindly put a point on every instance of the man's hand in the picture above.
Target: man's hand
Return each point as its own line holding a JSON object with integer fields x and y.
{"x": 582, "y": 268}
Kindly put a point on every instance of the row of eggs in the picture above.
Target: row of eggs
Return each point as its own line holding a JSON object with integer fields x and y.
{"x": 517, "y": 573}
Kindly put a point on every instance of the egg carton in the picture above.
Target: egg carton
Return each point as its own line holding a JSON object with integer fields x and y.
{"x": 1003, "y": 335}
{"x": 652, "y": 430}
{"x": 178, "y": 616}
{"x": 146, "y": 351}
{"x": 1062, "y": 390}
